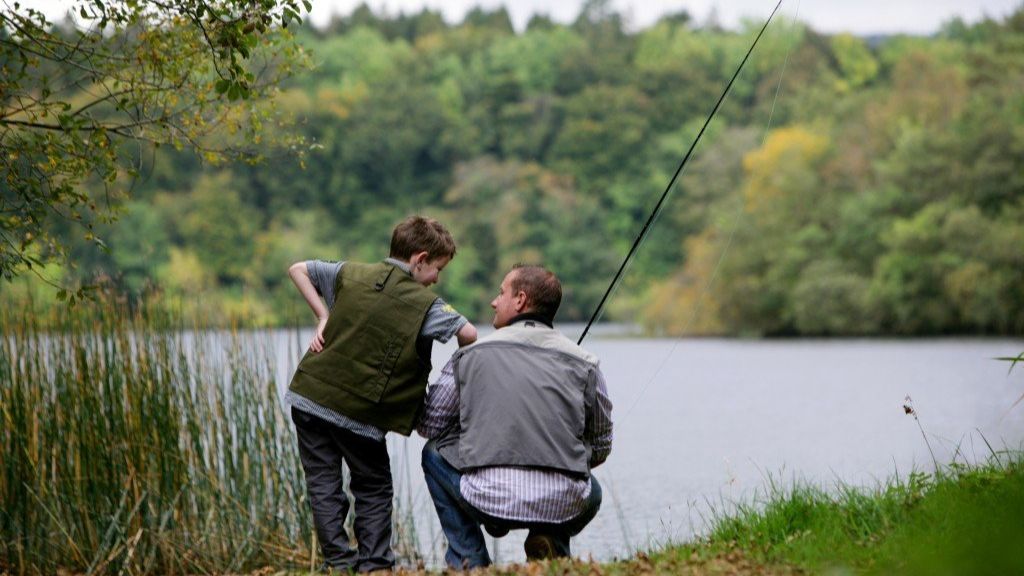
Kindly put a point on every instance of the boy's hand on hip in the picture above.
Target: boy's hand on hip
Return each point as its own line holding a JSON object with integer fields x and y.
{"x": 317, "y": 344}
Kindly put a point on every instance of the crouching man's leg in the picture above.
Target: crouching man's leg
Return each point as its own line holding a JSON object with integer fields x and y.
{"x": 466, "y": 547}
{"x": 552, "y": 540}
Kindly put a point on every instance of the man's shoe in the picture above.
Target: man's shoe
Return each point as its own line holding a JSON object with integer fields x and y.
{"x": 539, "y": 547}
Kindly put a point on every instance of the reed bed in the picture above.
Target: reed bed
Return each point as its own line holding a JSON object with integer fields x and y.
{"x": 134, "y": 444}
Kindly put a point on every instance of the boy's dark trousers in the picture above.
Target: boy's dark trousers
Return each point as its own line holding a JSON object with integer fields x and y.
{"x": 322, "y": 448}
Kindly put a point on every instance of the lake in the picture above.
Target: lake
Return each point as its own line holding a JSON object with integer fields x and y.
{"x": 701, "y": 423}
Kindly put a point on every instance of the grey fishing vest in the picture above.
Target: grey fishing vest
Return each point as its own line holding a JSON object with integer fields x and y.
{"x": 524, "y": 393}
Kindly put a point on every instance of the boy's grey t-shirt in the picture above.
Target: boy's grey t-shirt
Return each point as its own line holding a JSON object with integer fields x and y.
{"x": 441, "y": 323}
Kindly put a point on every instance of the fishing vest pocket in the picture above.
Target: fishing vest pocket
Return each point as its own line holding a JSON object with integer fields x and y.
{"x": 362, "y": 371}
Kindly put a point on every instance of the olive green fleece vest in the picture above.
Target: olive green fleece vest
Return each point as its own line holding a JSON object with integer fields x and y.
{"x": 369, "y": 369}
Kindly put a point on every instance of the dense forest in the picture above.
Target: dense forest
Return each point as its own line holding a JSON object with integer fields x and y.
{"x": 847, "y": 186}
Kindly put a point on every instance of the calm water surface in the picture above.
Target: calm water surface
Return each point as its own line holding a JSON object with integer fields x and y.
{"x": 702, "y": 423}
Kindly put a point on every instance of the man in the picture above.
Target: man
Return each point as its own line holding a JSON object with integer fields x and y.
{"x": 516, "y": 423}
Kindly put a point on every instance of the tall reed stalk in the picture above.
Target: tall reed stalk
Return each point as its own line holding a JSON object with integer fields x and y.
{"x": 131, "y": 444}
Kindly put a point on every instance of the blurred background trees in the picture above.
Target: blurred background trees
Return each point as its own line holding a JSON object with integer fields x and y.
{"x": 887, "y": 198}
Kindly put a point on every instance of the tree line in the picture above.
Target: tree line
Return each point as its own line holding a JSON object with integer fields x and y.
{"x": 885, "y": 196}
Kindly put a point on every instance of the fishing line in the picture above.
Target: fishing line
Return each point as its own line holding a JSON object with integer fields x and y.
{"x": 661, "y": 201}
{"x": 737, "y": 217}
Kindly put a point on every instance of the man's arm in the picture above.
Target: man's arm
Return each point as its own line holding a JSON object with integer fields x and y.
{"x": 598, "y": 428}
{"x": 441, "y": 406}
{"x": 299, "y": 274}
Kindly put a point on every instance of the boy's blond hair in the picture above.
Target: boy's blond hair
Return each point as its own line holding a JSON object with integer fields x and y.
{"x": 419, "y": 234}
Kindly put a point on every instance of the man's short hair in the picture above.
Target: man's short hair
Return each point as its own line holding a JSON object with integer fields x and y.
{"x": 542, "y": 288}
{"x": 419, "y": 234}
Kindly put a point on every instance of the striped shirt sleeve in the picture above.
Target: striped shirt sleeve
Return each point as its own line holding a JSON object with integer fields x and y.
{"x": 441, "y": 406}
{"x": 323, "y": 274}
{"x": 442, "y": 321}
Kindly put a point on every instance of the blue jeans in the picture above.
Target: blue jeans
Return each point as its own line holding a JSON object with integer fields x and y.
{"x": 461, "y": 522}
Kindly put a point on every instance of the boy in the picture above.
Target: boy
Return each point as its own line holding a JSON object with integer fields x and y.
{"x": 365, "y": 373}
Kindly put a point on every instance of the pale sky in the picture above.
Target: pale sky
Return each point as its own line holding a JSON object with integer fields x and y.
{"x": 859, "y": 17}
{"x": 830, "y": 16}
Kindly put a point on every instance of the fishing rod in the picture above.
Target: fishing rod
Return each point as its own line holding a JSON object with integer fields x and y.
{"x": 679, "y": 170}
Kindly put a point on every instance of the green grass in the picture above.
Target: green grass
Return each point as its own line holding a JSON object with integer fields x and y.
{"x": 963, "y": 520}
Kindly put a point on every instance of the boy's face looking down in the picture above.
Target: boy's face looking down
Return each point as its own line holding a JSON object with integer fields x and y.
{"x": 425, "y": 269}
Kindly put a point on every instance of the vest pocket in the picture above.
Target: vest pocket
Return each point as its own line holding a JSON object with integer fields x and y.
{"x": 366, "y": 376}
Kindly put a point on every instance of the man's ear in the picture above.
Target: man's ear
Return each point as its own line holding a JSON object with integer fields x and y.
{"x": 521, "y": 301}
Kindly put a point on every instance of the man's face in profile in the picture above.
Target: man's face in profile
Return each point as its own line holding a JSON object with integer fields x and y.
{"x": 506, "y": 304}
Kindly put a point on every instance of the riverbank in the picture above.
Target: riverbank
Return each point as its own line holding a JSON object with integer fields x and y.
{"x": 962, "y": 520}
